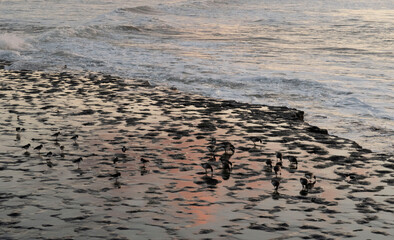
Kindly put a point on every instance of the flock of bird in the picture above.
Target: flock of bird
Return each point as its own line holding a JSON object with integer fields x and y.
{"x": 214, "y": 148}
{"x": 307, "y": 182}
{"x": 78, "y": 160}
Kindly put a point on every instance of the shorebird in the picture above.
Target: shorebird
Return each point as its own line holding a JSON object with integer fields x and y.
{"x": 38, "y": 148}
{"x": 206, "y": 166}
{"x": 228, "y": 148}
{"x": 77, "y": 161}
{"x": 277, "y": 169}
{"x": 279, "y": 156}
{"x": 227, "y": 165}
{"x": 61, "y": 148}
{"x": 115, "y": 160}
{"x": 49, "y": 154}
{"x": 256, "y": 140}
{"x": 56, "y": 135}
{"x": 124, "y": 149}
{"x": 49, "y": 163}
{"x": 268, "y": 162}
{"x": 293, "y": 160}
{"x": 143, "y": 160}
{"x": 311, "y": 184}
{"x": 75, "y": 137}
{"x": 27, "y": 146}
{"x": 275, "y": 182}
{"x": 304, "y": 182}
{"x": 115, "y": 175}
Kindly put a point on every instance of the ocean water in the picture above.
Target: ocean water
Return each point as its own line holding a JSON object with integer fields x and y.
{"x": 332, "y": 59}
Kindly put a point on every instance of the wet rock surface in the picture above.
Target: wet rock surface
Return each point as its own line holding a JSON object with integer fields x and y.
{"x": 127, "y": 165}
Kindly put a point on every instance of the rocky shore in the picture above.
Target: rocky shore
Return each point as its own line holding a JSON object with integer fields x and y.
{"x": 121, "y": 159}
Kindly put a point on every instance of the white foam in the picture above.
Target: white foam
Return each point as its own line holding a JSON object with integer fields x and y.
{"x": 12, "y": 42}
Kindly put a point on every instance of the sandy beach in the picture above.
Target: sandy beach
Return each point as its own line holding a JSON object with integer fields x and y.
{"x": 50, "y": 193}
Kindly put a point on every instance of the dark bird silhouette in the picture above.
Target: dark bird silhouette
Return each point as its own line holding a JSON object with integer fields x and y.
{"x": 275, "y": 182}
{"x": 304, "y": 182}
{"x": 49, "y": 164}
{"x": 207, "y": 166}
{"x": 38, "y": 148}
{"x": 311, "y": 183}
{"x": 124, "y": 149}
{"x": 56, "y": 135}
{"x": 26, "y": 147}
{"x": 228, "y": 148}
{"x": 279, "y": 156}
{"x": 116, "y": 175}
{"x": 293, "y": 160}
{"x": 143, "y": 160}
{"x": 49, "y": 154}
{"x": 115, "y": 160}
{"x": 227, "y": 166}
{"x": 277, "y": 169}
{"x": 256, "y": 140}
{"x": 77, "y": 161}
{"x": 268, "y": 162}
{"x": 18, "y": 129}
{"x": 75, "y": 137}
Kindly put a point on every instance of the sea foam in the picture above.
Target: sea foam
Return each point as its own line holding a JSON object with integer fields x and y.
{"x": 12, "y": 42}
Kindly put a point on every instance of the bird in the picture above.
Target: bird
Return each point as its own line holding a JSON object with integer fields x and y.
{"x": 27, "y": 146}
{"x": 49, "y": 164}
{"x": 292, "y": 160}
{"x": 311, "y": 184}
{"x": 207, "y": 166}
{"x": 77, "y": 161}
{"x": 304, "y": 182}
{"x": 268, "y": 162}
{"x": 18, "y": 129}
{"x": 256, "y": 140}
{"x": 143, "y": 160}
{"x": 75, "y": 137}
{"x": 277, "y": 169}
{"x": 38, "y": 148}
{"x": 56, "y": 135}
{"x": 116, "y": 175}
{"x": 279, "y": 156}
{"x": 275, "y": 182}
{"x": 61, "y": 148}
{"x": 124, "y": 149}
{"x": 115, "y": 160}
{"x": 49, "y": 154}
{"x": 228, "y": 148}
{"x": 227, "y": 165}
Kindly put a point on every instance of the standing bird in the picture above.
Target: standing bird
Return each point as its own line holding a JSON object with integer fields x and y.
{"x": 124, "y": 149}
{"x": 49, "y": 154}
{"x": 26, "y": 147}
{"x": 75, "y": 137}
{"x": 275, "y": 182}
{"x": 115, "y": 160}
{"x": 279, "y": 156}
{"x": 38, "y": 148}
{"x": 143, "y": 161}
{"x": 256, "y": 140}
{"x": 206, "y": 166}
{"x": 116, "y": 175}
{"x": 56, "y": 135}
{"x": 268, "y": 162}
{"x": 304, "y": 182}
{"x": 293, "y": 160}
{"x": 277, "y": 168}
{"x": 77, "y": 161}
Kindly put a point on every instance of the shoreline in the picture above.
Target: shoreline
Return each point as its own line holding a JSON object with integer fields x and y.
{"x": 171, "y": 195}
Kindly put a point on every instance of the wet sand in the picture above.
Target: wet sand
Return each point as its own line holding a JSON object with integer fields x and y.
{"x": 52, "y": 196}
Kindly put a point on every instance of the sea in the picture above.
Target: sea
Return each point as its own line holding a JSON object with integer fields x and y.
{"x": 332, "y": 59}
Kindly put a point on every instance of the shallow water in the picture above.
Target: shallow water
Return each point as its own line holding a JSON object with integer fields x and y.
{"x": 332, "y": 59}
{"x": 171, "y": 196}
